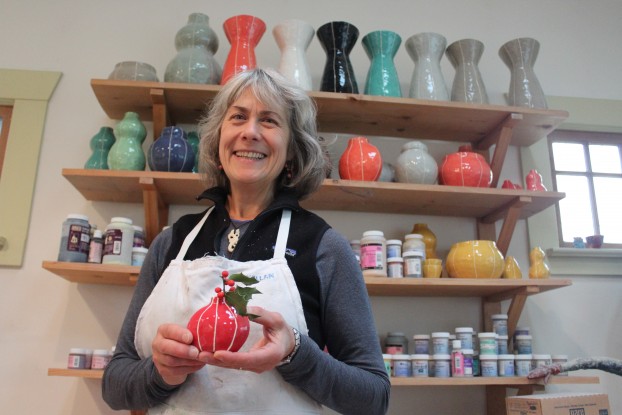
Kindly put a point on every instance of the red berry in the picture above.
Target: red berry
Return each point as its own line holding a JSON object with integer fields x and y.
{"x": 221, "y": 294}
{"x": 225, "y": 274}
{"x": 230, "y": 283}
{"x": 232, "y": 289}
{"x": 218, "y": 289}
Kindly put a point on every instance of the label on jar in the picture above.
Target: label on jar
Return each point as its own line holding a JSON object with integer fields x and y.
{"x": 78, "y": 238}
{"x": 412, "y": 266}
{"x": 371, "y": 256}
{"x": 114, "y": 242}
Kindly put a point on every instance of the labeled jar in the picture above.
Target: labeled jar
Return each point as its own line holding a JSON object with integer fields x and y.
{"x": 413, "y": 242}
{"x": 440, "y": 343}
{"x": 488, "y": 364}
{"x": 420, "y": 367}
{"x": 394, "y": 248}
{"x": 96, "y": 248}
{"x": 520, "y": 331}
{"x": 502, "y": 344}
{"x": 442, "y": 365}
{"x": 540, "y": 360}
{"x": 75, "y": 239}
{"x": 388, "y": 363}
{"x": 522, "y": 364}
{"x": 487, "y": 343}
{"x": 505, "y": 365}
{"x": 457, "y": 359}
{"x": 139, "y": 237}
{"x": 77, "y": 358}
{"x": 373, "y": 254}
{"x": 422, "y": 343}
{"x": 401, "y": 365}
{"x": 118, "y": 242}
{"x": 395, "y": 343}
{"x": 413, "y": 261}
{"x": 522, "y": 343}
{"x": 465, "y": 335}
{"x": 468, "y": 362}
{"x": 500, "y": 324}
{"x": 560, "y": 359}
{"x": 395, "y": 267}
{"x": 101, "y": 357}
{"x": 138, "y": 255}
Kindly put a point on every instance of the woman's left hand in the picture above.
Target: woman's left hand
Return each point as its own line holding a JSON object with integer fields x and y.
{"x": 267, "y": 353}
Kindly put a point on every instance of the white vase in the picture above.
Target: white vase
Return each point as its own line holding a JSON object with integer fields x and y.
{"x": 415, "y": 164}
{"x": 293, "y": 38}
{"x": 426, "y": 50}
{"x": 468, "y": 85}
{"x": 525, "y": 90}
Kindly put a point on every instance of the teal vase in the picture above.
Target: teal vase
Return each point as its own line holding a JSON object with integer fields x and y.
{"x": 100, "y": 145}
{"x": 127, "y": 152}
{"x": 381, "y": 47}
{"x": 193, "y": 140}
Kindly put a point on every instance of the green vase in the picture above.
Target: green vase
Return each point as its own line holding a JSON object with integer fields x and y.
{"x": 381, "y": 47}
{"x": 127, "y": 152}
{"x": 193, "y": 140}
{"x": 100, "y": 144}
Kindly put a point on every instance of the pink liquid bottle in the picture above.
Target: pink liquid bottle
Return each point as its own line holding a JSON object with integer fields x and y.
{"x": 457, "y": 359}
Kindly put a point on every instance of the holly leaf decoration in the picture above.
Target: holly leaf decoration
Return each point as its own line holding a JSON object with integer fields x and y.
{"x": 243, "y": 279}
{"x": 240, "y": 296}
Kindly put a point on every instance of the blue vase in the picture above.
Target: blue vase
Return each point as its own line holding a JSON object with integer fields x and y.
{"x": 100, "y": 144}
{"x": 381, "y": 47}
{"x": 171, "y": 152}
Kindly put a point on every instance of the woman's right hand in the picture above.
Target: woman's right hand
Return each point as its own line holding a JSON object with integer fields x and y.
{"x": 174, "y": 355}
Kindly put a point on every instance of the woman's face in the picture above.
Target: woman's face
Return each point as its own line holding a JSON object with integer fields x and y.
{"x": 253, "y": 143}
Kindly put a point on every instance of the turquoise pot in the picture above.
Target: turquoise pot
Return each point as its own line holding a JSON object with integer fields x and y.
{"x": 193, "y": 140}
{"x": 381, "y": 47}
{"x": 127, "y": 152}
{"x": 101, "y": 143}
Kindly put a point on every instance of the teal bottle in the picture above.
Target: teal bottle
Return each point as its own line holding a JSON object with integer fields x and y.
{"x": 193, "y": 140}
{"x": 127, "y": 152}
{"x": 381, "y": 47}
{"x": 100, "y": 145}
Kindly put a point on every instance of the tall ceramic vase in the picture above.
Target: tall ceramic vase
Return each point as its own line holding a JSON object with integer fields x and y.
{"x": 361, "y": 161}
{"x": 171, "y": 151}
{"x": 244, "y": 33}
{"x": 381, "y": 47}
{"x": 100, "y": 145}
{"x": 338, "y": 39}
{"x": 127, "y": 152}
{"x": 429, "y": 238}
{"x": 520, "y": 55}
{"x": 468, "y": 85}
{"x": 293, "y": 38}
{"x": 196, "y": 44}
{"x": 426, "y": 50}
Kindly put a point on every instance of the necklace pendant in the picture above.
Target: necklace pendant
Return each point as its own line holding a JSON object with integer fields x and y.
{"x": 233, "y": 237}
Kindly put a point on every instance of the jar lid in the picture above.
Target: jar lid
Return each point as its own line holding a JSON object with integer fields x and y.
{"x": 502, "y": 337}
{"x": 101, "y": 352}
{"x": 413, "y": 236}
{"x": 523, "y": 337}
{"x": 121, "y": 220}
{"x": 77, "y": 350}
{"x": 467, "y": 351}
{"x": 488, "y": 357}
{"x": 421, "y": 337}
{"x": 420, "y": 356}
{"x": 506, "y": 357}
{"x": 395, "y": 259}
{"x": 441, "y": 357}
{"x": 355, "y": 242}
{"x": 523, "y": 357}
{"x": 401, "y": 357}
{"x": 139, "y": 250}
{"x": 77, "y": 216}
{"x": 541, "y": 356}
{"x": 487, "y": 334}
{"x": 456, "y": 344}
{"x": 440, "y": 334}
{"x": 373, "y": 233}
{"x": 137, "y": 228}
{"x": 413, "y": 252}
{"x": 559, "y": 357}
{"x": 387, "y": 356}
{"x": 464, "y": 329}
{"x": 97, "y": 234}
{"x": 394, "y": 242}
{"x": 499, "y": 316}
{"x": 395, "y": 334}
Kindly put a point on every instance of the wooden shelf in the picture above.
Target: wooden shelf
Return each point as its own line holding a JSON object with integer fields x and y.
{"x": 80, "y": 272}
{"x": 76, "y": 373}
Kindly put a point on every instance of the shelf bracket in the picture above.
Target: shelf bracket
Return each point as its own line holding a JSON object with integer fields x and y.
{"x": 156, "y": 211}
{"x": 160, "y": 111}
{"x": 510, "y": 214}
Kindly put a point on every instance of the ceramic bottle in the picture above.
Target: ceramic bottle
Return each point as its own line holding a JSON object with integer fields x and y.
{"x": 429, "y": 239}
{"x": 465, "y": 168}
{"x": 100, "y": 145}
{"x": 468, "y": 85}
{"x": 538, "y": 269}
{"x": 415, "y": 164}
{"x": 381, "y": 47}
{"x": 127, "y": 153}
{"x": 293, "y": 37}
{"x": 520, "y": 56}
{"x": 426, "y": 50}
{"x": 244, "y": 33}
{"x": 361, "y": 160}
{"x": 338, "y": 39}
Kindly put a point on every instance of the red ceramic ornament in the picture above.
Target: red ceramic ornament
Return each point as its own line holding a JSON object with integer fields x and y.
{"x": 244, "y": 33}
{"x": 534, "y": 181}
{"x": 465, "y": 168}
{"x": 507, "y": 184}
{"x": 217, "y": 326}
{"x": 361, "y": 160}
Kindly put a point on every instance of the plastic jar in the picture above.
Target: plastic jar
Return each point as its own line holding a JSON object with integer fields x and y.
{"x": 118, "y": 242}
{"x": 413, "y": 261}
{"x": 138, "y": 255}
{"x": 413, "y": 242}
{"x": 420, "y": 367}
{"x": 139, "y": 237}
{"x": 468, "y": 362}
{"x": 355, "y": 244}
{"x": 440, "y": 343}
{"x": 502, "y": 344}
{"x": 77, "y": 359}
{"x": 96, "y": 248}
{"x": 560, "y": 359}
{"x": 540, "y": 360}
{"x": 500, "y": 324}
{"x": 487, "y": 343}
{"x": 522, "y": 364}
{"x": 394, "y": 248}
{"x": 465, "y": 335}
{"x": 505, "y": 363}
{"x": 395, "y": 343}
{"x": 422, "y": 343}
{"x": 522, "y": 344}
{"x": 388, "y": 363}
{"x": 442, "y": 366}
{"x": 520, "y": 331}
{"x": 488, "y": 364}
{"x": 401, "y": 365}
{"x": 75, "y": 239}
{"x": 374, "y": 254}
{"x": 101, "y": 357}
{"x": 395, "y": 267}
{"x": 477, "y": 367}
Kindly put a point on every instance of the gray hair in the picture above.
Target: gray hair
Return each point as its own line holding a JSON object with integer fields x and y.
{"x": 308, "y": 165}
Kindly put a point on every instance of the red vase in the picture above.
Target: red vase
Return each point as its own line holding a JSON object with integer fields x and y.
{"x": 465, "y": 168}
{"x": 218, "y": 326}
{"x": 244, "y": 33}
{"x": 360, "y": 161}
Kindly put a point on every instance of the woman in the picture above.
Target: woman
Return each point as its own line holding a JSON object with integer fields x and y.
{"x": 259, "y": 148}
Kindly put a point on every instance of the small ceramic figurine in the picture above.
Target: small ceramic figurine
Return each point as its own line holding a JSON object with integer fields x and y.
{"x": 578, "y": 242}
{"x": 538, "y": 268}
{"x": 508, "y": 184}
{"x": 534, "y": 181}
{"x": 511, "y": 270}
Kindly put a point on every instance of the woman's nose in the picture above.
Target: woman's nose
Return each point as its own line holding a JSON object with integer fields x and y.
{"x": 251, "y": 130}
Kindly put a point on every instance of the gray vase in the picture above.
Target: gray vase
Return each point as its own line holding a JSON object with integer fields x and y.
{"x": 468, "y": 85}
{"x": 426, "y": 50}
{"x": 525, "y": 90}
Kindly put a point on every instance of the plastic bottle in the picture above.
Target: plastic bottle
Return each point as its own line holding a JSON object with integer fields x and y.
{"x": 96, "y": 248}
{"x": 394, "y": 248}
{"x": 118, "y": 242}
{"x": 395, "y": 267}
{"x": 374, "y": 254}
{"x": 139, "y": 237}
{"x": 75, "y": 239}
{"x": 468, "y": 362}
{"x": 457, "y": 359}
{"x": 395, "y": 343}
{"x": 414, "y": 255}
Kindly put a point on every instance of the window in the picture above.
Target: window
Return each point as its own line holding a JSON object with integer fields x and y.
{"x": 5, "y": 122}
{"x": 587, "y": 166}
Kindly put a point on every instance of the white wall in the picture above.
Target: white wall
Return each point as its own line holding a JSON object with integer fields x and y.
{"x": 42, "y": 316}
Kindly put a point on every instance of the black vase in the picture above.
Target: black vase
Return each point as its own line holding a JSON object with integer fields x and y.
{"x": 338, "y": 39}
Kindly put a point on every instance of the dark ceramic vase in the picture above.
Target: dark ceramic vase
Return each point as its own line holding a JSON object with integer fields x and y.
{"x": 101, "y": 143}
{"x": 338, "y": 39}
{"x": 171, "y": 152}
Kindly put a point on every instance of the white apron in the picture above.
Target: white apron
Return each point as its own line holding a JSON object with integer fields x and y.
{"x": 187, "y": 286}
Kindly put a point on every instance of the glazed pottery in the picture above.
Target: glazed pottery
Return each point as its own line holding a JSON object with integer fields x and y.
{"x": 133, "y": 71}
{"x": 100, "y": 145}
{"x": 520, "y": 55}
{"x": 171, "y": 151}
{"x": 432, "y": 268}
{"x": 218, "y": 326}
{"x": 426, "y": 50}
{"x": 127, "y": 152}
{"x": 538, "y": 269}
{"x": 193, "y": 140}
{"x": 468, "y": 85}
{"x": 474, "y": 259}
{"x": 429, "y": 239}
{"x": 511, "y": 270}
{"x": 465, "y": 168}
{"x": 381, "y": 47}
{"x": 338, "y": 39}
{"x": 415, "y": 164}
{"x": 594, "y": 241}
{"x": 388, "y": 173}
{"x": 244, "y": 33}
{"x": 361, "y": 160}
{"x": 507, "y": 184}
{"x": 196, "y": 43}
{"x": 533, "y": 181}
{"x": 293, "y": 38}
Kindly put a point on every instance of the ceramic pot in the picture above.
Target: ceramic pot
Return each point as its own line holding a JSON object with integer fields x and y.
{"x": 432, "y": 268}
{"x": 381, "y": 47}
{"x": 520, "y": 55}
{"x": 127, "y": 152}
{"x": 468, "y": 85}
{"x": 134, "y": 71}
{"x": 533, "y": 181}
{"x": 361, "y": 160}
{"x": 465, "y": 168}
{"x": 538, "y": 269}
{"x": 193, "y": 140}
{"x": 244, "y": 33}
{"x": 474, "y": 259}
{"x": 100, "y": 144}
{"x": 338, "y": 39}
{"x": 293, "y": 38}
{"x": 426, "y": 50}
{"x": 171, "y": 152}
{"x": 415, "y": 164}
{"x": 511, "y": 270}
{"x": 429, "y": 238}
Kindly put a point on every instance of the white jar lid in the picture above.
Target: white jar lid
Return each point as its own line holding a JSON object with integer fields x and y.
{"x": 523, "y": 357}
{"x": 467, "y": 351}
{"x": 499, "y": 316}
{"x": 137, "y": 228}
{"x": 421, "y": 337}
{"x": 420, "y": 357}
{"x": 401, "y": 357}
{"x": 440, "y": 334}
{"x": 121, "y": 220}
{"x": 441, "y": 357}
{"x": 559, "y": 357}
{"x": 487, "y": 335}
{"x": 77, "y": 216}
{"x": 464, "y": 329}
{"x": 394, "y": 242}
{"x": 101, "y": 352}
{"x": 139, "y": 250}
{"x": 373, "y": 233}
{"x": 502, "y": 337}
{"x": 413, "y": 236}
{"x": 387, "y": 356}
{"x": 488, "y": 357}
{"x": 413, "y": 253}
{"x": 97, "y": 234}
{"x": 541, "y": 357}
{"x": 523, "y": 337}
{"x": 506, "y": 357}
{"x": 77, "y": 350}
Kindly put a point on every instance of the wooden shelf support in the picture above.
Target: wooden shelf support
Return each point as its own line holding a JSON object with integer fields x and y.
{"x": 156, "y": 211}
{"x": 511, "y": 215}
{"x": 161, "y": 116}
{"x": 501, "y": 138}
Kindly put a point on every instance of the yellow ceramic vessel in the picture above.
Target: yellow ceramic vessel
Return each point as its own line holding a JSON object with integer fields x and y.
{"x": 475, "y": 259}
